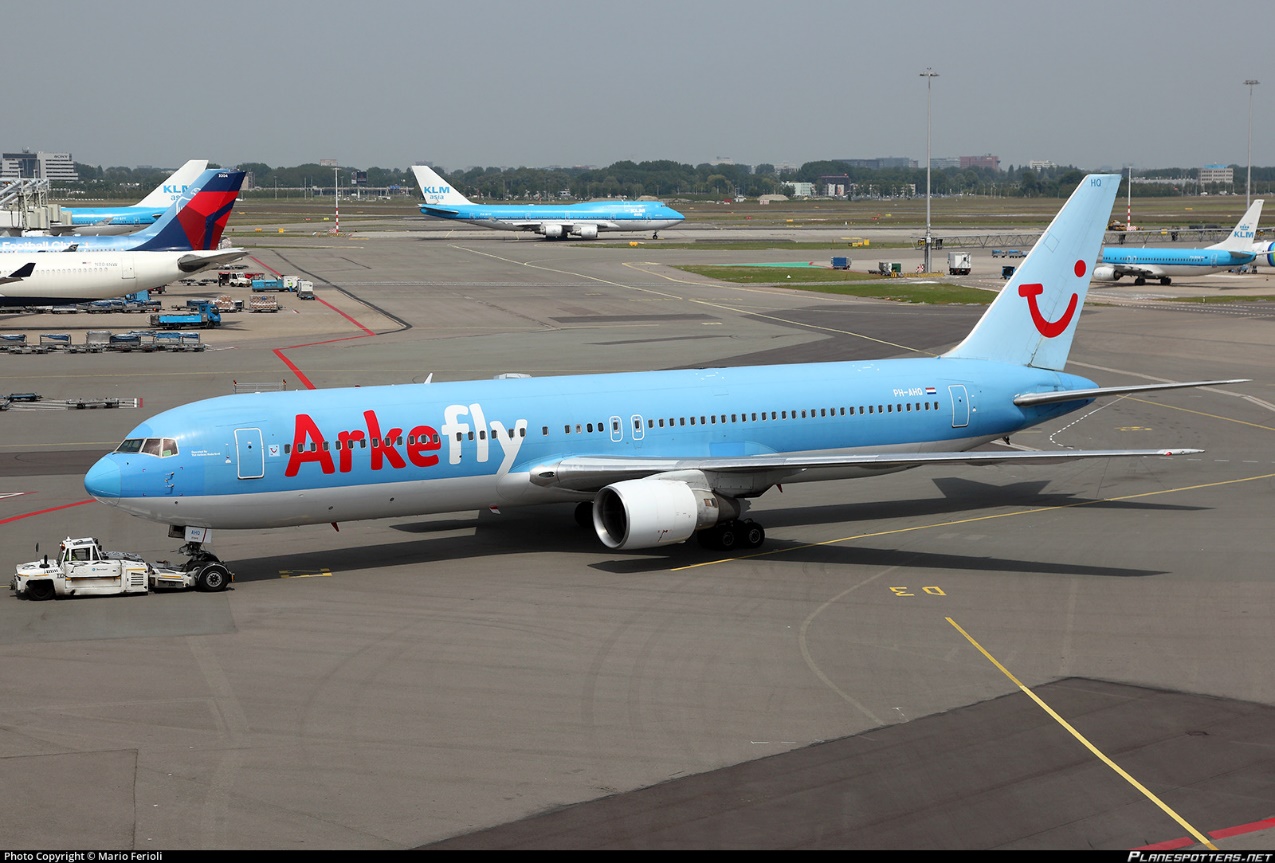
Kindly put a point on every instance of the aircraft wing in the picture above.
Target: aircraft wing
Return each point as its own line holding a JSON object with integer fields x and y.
{"x": 590, "y": 473}
{"x": 19, "y": 274}
{"x": 196, "y": 261}
{"x": 1145, "y": 271}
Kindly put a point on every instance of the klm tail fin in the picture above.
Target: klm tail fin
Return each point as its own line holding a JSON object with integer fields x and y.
{"x": 1033, "y": 320}
{"x": 170, "y": 191}
{"x": 1241, "y": 239}
{"x": 437, "y": 191}
{"x": 196, "y": 221}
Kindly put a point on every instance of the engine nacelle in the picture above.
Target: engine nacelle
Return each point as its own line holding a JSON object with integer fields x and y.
{"x": 647, "y": 513}
{"x": 1265, "y": 253}
{"x": 551, "y": 232}
{"x": 1105, "y": 274}
{"x": 587, "y": 232}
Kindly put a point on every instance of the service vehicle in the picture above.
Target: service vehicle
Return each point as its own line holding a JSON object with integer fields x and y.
{"x": 202, "y": 316}
{"x": 84, "y": 568}
{"x": 959, "y": 263}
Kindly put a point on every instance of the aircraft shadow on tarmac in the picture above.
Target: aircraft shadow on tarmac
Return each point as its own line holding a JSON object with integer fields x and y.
{"x": 552, "y": 529}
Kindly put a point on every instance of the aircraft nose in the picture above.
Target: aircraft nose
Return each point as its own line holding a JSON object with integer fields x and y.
{"x": 103, "y": 480}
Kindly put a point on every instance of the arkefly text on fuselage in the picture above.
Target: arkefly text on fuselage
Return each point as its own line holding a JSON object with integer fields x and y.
{"x": 651, "y": 458}
{"x": 552, "y": 221}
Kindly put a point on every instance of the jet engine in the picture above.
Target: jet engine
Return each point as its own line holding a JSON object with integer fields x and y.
{"x": 587, "y": 232}
{"x": 1265, "y": 253}
{"x": 551, "y": 232}
{"x": 1105, "y": 274}
{"x": 647, "y": 513}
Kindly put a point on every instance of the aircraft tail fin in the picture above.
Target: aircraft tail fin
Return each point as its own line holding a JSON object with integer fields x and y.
{"x": 436, "y": 190}
{"x": 168, "y": 192}
{"x": 197, "y": 220}
{"x": 1033, "y": 320}
{"x": 1244, "y": 233}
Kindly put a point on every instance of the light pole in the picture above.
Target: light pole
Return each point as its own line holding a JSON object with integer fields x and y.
{"x": 1248, "y": 187}
{"x": 929, "y": 75}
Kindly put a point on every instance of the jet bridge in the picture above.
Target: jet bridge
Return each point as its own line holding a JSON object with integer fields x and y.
{"x": 24, "y": 207}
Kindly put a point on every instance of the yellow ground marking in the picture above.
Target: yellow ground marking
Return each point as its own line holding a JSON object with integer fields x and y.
{"x": 1203, "y": 840}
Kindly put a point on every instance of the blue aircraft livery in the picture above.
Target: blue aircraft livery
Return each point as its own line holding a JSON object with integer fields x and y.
{"x": 553, "y": 222}
{"x": 195, "y": 222}
{"x": 651, "y": 458}
{"x": 1148, "y": 262}
{"x": 123, "y": 220}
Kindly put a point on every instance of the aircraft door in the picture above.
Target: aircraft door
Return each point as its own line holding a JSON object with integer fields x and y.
{"x": 960, "y": 406}
{"x": 639, "y": 429}
{"x": 617, "y": 429}
{"x": 126, "y": 268}
{"x": 250, "y": 454}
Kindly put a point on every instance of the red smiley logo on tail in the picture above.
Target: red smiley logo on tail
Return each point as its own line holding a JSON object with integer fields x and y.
{"x": 1050, "y": 329}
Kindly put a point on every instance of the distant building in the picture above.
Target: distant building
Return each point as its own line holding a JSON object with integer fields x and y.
{"x": 1217, "y": 174}
{"x": 801, "y": 190}
{"x": 938, "y": 163}
{"x": 835, "y": 185}
{"x": 988, "y": 161}
{"x": 56, "y": 167}
{"x": 879, "y": 163}
{"x": 1041, "y": 164}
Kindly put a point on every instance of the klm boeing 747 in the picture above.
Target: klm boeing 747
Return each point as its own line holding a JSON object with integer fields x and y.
{"x": 552, "y": 222}
{"x": 87, "y": 221}
{"x": 1145, "y": 263}
{"x": 650, "y": 458}
{"x": 194, "y": 223}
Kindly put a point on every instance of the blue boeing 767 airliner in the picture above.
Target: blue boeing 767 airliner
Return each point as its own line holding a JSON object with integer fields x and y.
{"x": 651, "y": 458}
{"x": 1150, "y": 262}
{"x": 552, "y": 221}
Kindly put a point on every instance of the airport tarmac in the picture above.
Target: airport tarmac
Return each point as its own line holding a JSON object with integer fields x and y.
{"x": 1065, "y": 657}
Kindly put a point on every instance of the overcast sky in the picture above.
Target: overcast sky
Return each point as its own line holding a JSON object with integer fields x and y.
{"x": 389, "y": 83}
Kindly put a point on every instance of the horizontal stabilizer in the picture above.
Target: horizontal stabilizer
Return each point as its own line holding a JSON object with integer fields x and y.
{"x": 589, "y": 473}
{"x": 441, "y": 212}
{"x": 19, "y": 274}
{"x": 196, "y": 261}
{"x": 1027, "y": 399}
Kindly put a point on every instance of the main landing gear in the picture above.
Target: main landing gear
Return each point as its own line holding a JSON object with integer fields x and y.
{"x": 730, "y": 535}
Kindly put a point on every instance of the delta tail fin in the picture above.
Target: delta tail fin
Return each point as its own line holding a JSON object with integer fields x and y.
{"x": 197, "y": 220}
{"x": 1033, "y": 320}
{"x": 1243, "y": 235}
{"x": 437, "y": 191}
{"x": 170, "y": 191}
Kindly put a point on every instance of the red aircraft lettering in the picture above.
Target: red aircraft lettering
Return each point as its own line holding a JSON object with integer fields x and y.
{"x": 422, "y": 442}
{"x": 307, "y": 431}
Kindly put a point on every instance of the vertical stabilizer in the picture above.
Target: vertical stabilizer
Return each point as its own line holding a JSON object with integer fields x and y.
{"x": 1243, "y": 235}
{"x": 1033, "y": 320}
{"x": 437, "y": 191}
{"x": 196, "y": 221}
{"x": 170, "y": 191}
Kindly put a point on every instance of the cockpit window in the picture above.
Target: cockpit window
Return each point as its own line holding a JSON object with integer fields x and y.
{"x": 162, "y": 447}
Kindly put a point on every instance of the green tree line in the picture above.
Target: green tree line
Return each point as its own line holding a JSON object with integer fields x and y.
{"x": 671, "y": 180}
